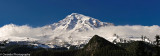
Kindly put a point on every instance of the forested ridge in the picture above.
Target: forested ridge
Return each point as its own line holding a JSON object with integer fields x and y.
{"x": 97, "y": 46}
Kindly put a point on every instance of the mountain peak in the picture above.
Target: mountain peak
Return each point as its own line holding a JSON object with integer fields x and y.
{"x": 75, "y": 14}
{"x": 97, "y": 42}
{"x": 79, "y": 22}
{"x": 97, "y": 39}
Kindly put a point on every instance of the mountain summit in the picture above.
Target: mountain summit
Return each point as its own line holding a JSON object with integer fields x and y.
{"x": 99, "y": 42}
{"x": 66, "y": 29}
{"x": 98, "y": 45}
{"x": 79, "y": 22}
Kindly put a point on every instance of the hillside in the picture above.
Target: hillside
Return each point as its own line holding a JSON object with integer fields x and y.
{"x": 97, "y": 46}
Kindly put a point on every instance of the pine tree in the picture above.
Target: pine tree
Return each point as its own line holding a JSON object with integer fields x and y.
{"x": 157, "y": 44}
{"x": 157, "y": 40}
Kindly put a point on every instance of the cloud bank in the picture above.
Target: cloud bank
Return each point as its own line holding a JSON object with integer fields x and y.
{"x": 19, "y": 33}
{"x": 128, "y": 31}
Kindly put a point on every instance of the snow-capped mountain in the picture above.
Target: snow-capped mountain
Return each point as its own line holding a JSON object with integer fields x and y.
{"x": 68, "y": 29}
{"x": 75, "y": 29}
{"x": 79, "y": 22}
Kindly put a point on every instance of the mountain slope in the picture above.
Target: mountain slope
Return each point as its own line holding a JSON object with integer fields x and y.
{"x": 98, "y": 46}
{"x": 69, "y": 28}
{"x": 75, "y": 29}
{"x": 97, "y": 42}
{"x": 79, "y": 22}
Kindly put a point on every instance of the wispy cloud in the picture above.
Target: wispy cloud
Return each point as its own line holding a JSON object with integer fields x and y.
{"x": 14, "y": 32}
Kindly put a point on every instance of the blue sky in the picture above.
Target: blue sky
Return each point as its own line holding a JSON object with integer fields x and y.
{"x": 43, "y": 12}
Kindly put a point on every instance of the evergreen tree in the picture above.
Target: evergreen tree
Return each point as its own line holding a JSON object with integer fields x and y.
{"x": 139, "y": 48}
{"x": 157, "y": 37}
{"x": 157, "y": 40}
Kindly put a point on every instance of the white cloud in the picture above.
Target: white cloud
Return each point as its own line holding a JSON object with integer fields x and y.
{"x": 123, "y": 31}
{"x": 14, "y": 32}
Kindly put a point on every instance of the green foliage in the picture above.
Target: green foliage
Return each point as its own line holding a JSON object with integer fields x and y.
{"x": 19, "y": 49}
{"x": 140, "y": 48}
{"x": 97, "y": 46}
{"x": 45, "y": 52}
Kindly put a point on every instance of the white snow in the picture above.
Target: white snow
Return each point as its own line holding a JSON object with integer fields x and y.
{"x": 75, "y": 29}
